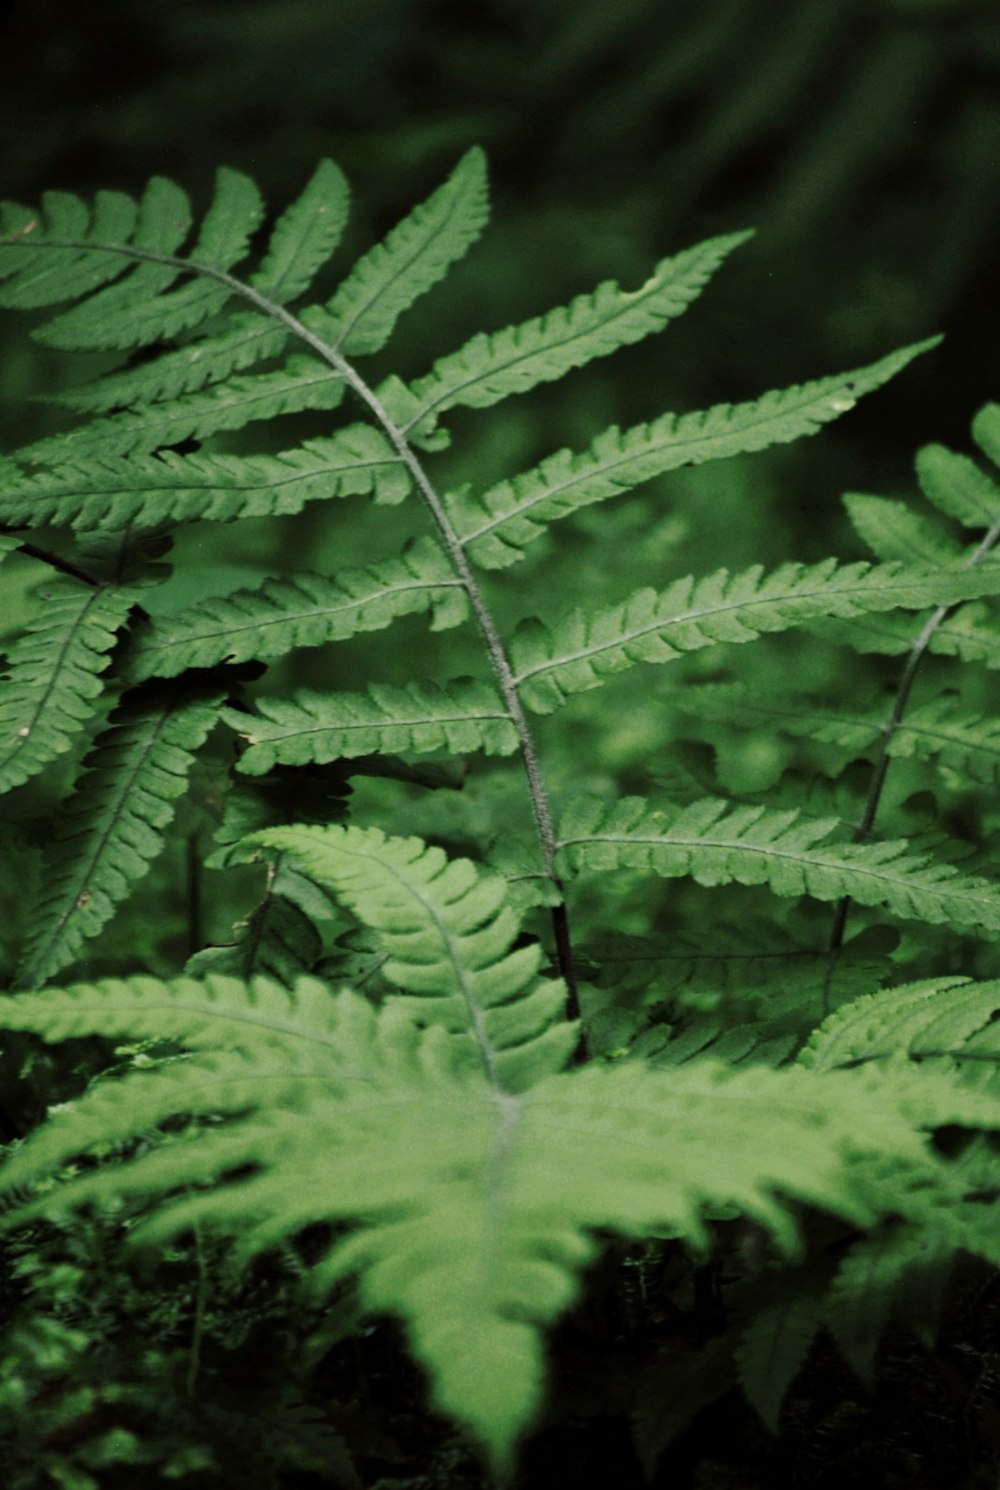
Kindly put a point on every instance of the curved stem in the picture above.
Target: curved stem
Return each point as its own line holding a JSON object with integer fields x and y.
{"x": 494, "y": 646}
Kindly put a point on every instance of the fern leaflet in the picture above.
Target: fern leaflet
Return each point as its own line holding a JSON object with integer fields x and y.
{"x": 417, "y": 253}
{"x": 489, "y": 368}
{"x": 715, "y": 844}
{"x": 651, "y": 627}
{"x": 304, "y": 236}
{"x": 302, "y": 383}
{"x": 936, "y": 1017}
{"x": 497, "y": 525}
{"x": 316, "y": 727}
{"x": 357, "y": 460}
{"x": 54, "y": 675}
{"x": 113, "y": 825}
{"x": 303, "y": 612}
{"x": 939, "y": 729}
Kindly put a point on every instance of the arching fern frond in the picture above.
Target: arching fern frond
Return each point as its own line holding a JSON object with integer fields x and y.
{"x": 302, "y": 612}
{"x": 586, "y": 647}
{"x": 113, "y": 825}
{"x": 462, "y": 717}
{"x": 96, "y": 494}
{"x": 497, "y": 525}
{"x": 716, "y": 844}
{"x": 54, "y": 673}
{"x": 248, "y": 338}
{"x": 475, "y": 1230}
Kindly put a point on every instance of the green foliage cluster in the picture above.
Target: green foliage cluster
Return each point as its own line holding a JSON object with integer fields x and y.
{"x": 474, "y": 1017}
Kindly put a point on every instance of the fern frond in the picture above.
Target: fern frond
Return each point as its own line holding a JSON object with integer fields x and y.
{"x": 448, "y": 931}
{"x": 715, "y": 844}
{"x": 356, "y": 461}
{"x": 489, "y": 368}
{"x": 497, "y": 525}
{"x": 302, "y": 612}
{"x": 54, "y": 675}
{"x": 881, "y": 1271}
{"x": 475, "y": 1228}
{"x": 113, "y": 825}
{"x": 585, "y": 647}
{"x": 464, "y": 716}
{"x": 305, "y": 236}
{"x": 415, "y": 256}
{"x": 302, "y": 383}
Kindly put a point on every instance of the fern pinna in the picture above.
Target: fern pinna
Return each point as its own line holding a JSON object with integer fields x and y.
{"x": 482, "y": 1079}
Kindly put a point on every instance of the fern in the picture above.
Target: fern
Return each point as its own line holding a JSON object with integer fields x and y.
{"x": 715, "y": 843}
{"x": 304, "y": 612}
{"x": 721, "y": 608}
{"x": 451, "y": 1083}
{"x": 476, "y": 1229}
{"x": 55, "y": 675}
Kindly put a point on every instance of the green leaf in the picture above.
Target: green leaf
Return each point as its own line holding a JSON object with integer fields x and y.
{"x": 475, "y": 1230}
{"x": 941, "y": 729}
{"x": 34, "y": 279}
{"x": 489, "y": 368}
{"x": 415, "y": 256}
{"x": 302, "y": 612}
{"x": 464, "y": 716}
{"x": 54, "y": 673}
{"x": 235, "y": 214}
{"x": 772, "y": 1350}
{"x": 498, "y": 524}
{"x": 715, "y": 844}
{"x": 587, "y": 646}
{"x": 142, "y": 308}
